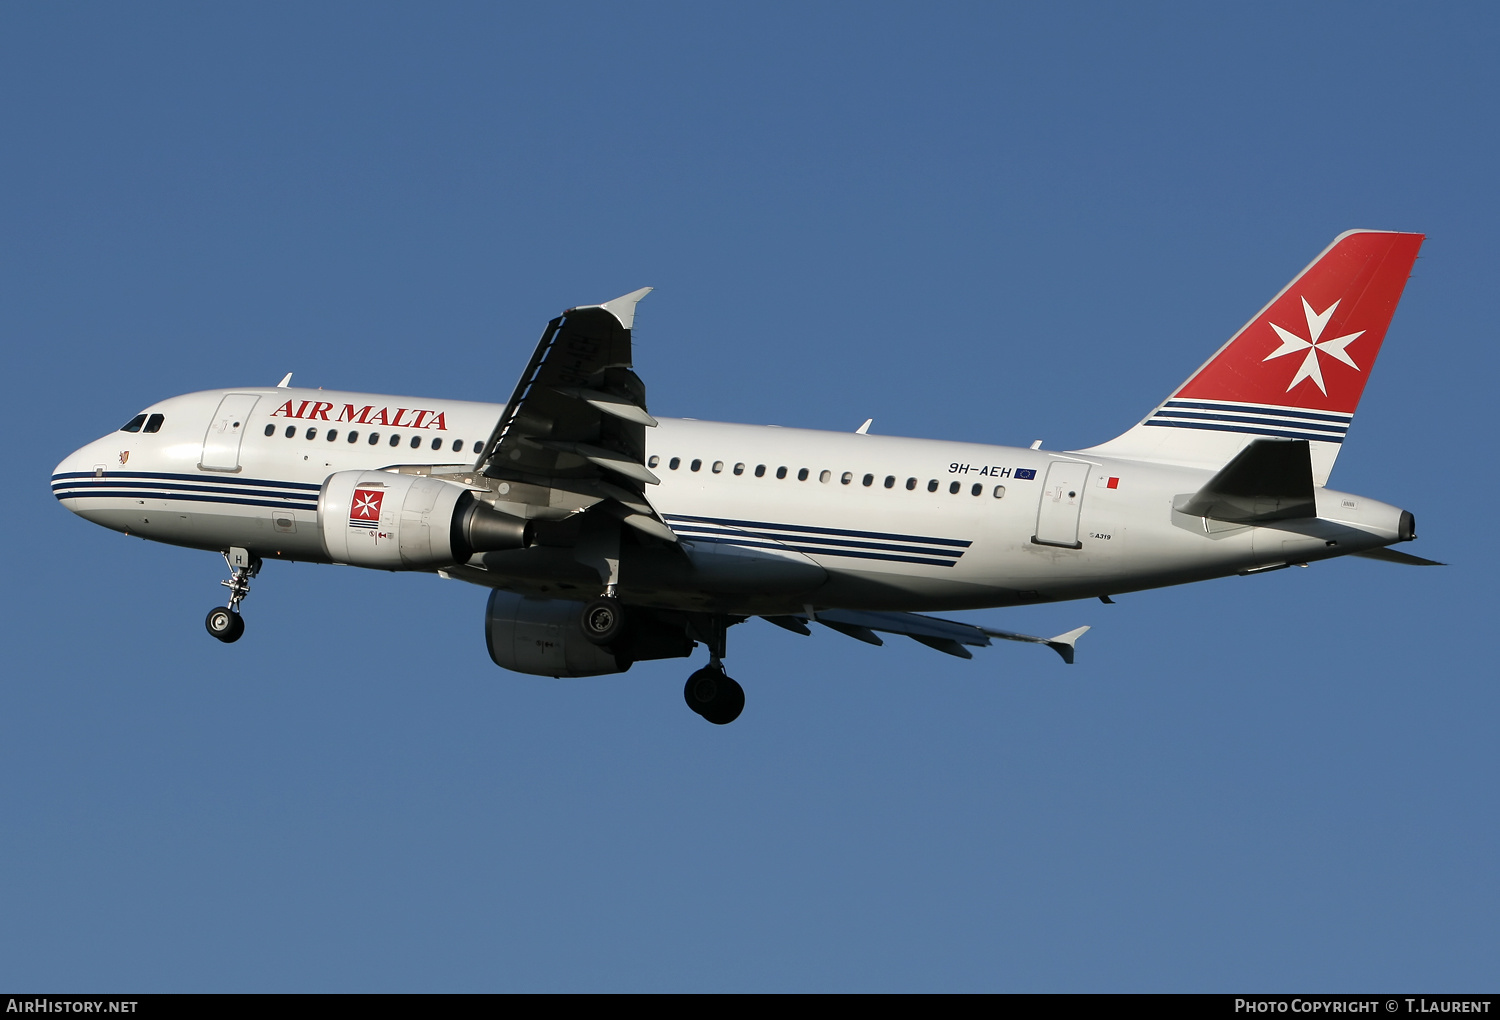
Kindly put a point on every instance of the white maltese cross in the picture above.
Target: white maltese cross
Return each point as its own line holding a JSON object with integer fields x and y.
{"x": 1310, "y": 367}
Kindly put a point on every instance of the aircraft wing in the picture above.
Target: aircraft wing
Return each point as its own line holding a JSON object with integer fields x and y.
{"x": 573, "y": 435}
{"x": 945, "y": 635}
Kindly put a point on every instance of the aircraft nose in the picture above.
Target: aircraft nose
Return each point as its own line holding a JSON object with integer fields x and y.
{"x": 69, "y": 473}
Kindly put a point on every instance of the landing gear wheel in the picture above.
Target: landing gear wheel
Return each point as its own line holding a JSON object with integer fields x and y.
{"x": 714, "y": 696}
{"x": 224, "y": 625}
{"x": 603, "y": 621}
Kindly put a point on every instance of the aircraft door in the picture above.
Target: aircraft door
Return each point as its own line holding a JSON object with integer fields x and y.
{"x": 1062, "y": 501}
{"x": 221, "y": 443}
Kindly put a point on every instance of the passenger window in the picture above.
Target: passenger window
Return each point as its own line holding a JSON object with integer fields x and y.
{"x": 653, "y": 461}
{"x": 395, "y": 440}
{"x": 802, "y": 475}
{"x": 696, "y": 464}
{"x": 458, "y": 446}
{"x": 270, "y": 430}
{"x": 674, "y": 462}
{"x": 781, "y": 472}
{"x": 890, "y": 481}
{"x": 416, "y": 441}
{"x": 153, "y": 423}
{"x": 953, "y": 488}
{"x": 332, "y": 435}
{"x": 134, "y": 424}
{"x": 931, "y": 485}
{"x": 911, "y": 483}
{"x": 869, "y": 480}
{"x": 437, "y": 444}
{"x": 374, "y": 438}
{"x": 760, "y": 471}
{"x": 354, "y": 437}
{"x": 718, "y": 466}
{"x": 825, "y": 475}
{"x": 847, "y": 477}
{"x": 291, "y": 430}
{"x": 976, "y": 490}
{"x": 739, "y": 469}
{"x": 312, "y": 433}
{"x": 999, "y": 491}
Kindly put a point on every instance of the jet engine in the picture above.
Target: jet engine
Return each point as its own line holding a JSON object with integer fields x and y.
{"x": 409, "y": 522}
{"x": 543, "y": 637}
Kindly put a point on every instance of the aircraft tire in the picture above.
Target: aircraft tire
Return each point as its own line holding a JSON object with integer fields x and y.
{"x": 714, "y": 696}
{"x": 224, "y": 625}
{"x": 602, "y": 621}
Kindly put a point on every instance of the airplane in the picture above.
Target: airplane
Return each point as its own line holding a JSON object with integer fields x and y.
{"x": 607, "y": 536}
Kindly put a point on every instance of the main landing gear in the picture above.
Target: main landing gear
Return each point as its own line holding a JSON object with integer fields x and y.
{"x": 710, "y": 692}
{"x": 713, "y": 695}
{"x": 225, "y": 622}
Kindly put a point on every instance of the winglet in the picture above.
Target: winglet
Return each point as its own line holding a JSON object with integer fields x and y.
{"x": 623, "y": 307}
{"x": 1063, "y": 643}
{"x": 864, "y": 430}
{"x": 286, "y": 381}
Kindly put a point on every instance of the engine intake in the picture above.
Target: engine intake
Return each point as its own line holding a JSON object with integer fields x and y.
{"x": 409, "y": 522}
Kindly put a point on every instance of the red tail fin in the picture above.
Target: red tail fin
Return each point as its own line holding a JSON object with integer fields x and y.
{"x": 1296, "y": 370}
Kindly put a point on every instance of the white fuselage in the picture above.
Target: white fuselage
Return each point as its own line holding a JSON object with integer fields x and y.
{"x": 893, "y": 523}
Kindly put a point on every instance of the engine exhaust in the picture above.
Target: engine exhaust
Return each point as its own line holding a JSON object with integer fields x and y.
{"x": 479, "y": 528}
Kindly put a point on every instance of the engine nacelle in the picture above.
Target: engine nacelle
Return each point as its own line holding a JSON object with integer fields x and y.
{"x": 542, "y": 637}
{"x": 409, "y": 522}
{"x": 545, "y": 637}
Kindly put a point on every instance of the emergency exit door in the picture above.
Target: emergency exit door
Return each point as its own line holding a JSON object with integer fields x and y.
{"x": 1062, "y": 501}
{"x": 221, "y": 443}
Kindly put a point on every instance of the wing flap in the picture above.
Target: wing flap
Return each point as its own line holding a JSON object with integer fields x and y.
{"x": 947, "y": 645}
{"x": 854, "y": 630}
{"x": 947, "y": 636}
{"x": 610, "y": 404}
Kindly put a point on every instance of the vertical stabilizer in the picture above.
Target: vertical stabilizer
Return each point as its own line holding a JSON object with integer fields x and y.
{"x": 1295, "y": 371}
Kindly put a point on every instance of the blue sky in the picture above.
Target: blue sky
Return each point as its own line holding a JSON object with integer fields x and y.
{"x": 980, "y": 222}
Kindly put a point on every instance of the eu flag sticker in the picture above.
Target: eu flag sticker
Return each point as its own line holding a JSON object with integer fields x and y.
{"x": 1025, "y": 473}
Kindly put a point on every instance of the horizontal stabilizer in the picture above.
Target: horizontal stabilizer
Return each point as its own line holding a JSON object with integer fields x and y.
{"x": 1269, "y": 480}
{"x": 1393, "y": 556}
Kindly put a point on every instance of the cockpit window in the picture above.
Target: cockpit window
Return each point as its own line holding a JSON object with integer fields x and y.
{"x": 134, "y": 424}
{"x": 153, "y": 423}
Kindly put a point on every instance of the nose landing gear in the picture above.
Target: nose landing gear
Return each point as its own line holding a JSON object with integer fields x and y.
{"x": 225, "y": 625}
{"x": 225, "y": 622}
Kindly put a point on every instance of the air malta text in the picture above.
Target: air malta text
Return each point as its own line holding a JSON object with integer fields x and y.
{"x": 401, "y": 418}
